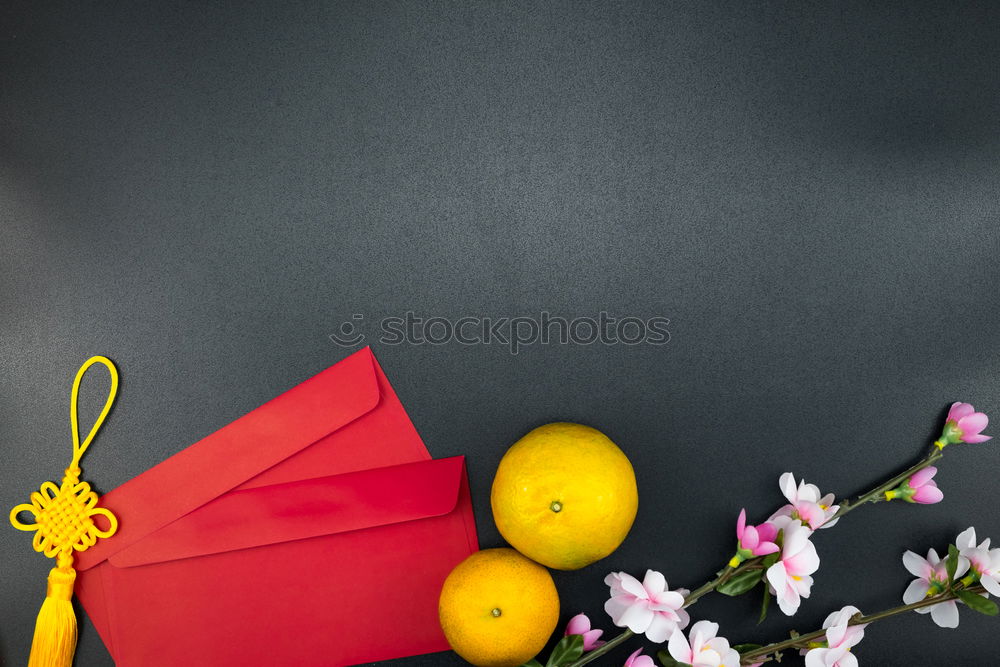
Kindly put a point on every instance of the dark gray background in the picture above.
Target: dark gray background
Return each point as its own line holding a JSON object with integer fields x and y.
{"x": 807, "y": 190}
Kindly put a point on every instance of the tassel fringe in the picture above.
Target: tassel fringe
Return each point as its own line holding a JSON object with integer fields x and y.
{"x": 55, "y": 637}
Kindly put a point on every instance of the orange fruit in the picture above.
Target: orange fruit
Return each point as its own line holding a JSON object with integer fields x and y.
{"x": 564, "y": 495}
{"x": 498, "y": 609}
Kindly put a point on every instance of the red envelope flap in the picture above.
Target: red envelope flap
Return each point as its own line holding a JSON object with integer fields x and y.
{"x": 302, "y": 509}
{"x": 238, "y": 451}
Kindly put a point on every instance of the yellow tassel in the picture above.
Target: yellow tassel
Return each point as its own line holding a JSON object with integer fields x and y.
{"x": 55, "y": 630}
{"x": 64, "y": 524}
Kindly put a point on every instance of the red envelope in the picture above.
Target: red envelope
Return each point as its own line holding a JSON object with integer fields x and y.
{"x": 315, "y": 530}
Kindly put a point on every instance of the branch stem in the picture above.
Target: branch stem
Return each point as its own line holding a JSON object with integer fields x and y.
{"x": 802, "y": 641}
{"x": 710, "y": 586}
{"x": 875, "y": 495}
{"x": 598, "y": 652}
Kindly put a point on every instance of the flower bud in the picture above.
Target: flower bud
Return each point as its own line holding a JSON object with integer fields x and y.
{"x": 918, "y": 488}
{"x": 963, "y": 424}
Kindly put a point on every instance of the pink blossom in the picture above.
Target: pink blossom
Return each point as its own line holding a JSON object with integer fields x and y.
{"x": 789, "y": 577}
{"x": 983, "y": 561}
{"x": 580, "y": 625}
{"x": 919, "y": 488}
{"x": 932, "y": 579}
{"x": 646, "y": 606}
{"x": 805, "y": 503}
{"x": 753, "y": 540}
{"x": 840, "y": 638}
{"x": 926, "y": 490}
{"x": 704, "y": 648}
{"x": 963, "y": 424}
{"x": 637, "y": 659}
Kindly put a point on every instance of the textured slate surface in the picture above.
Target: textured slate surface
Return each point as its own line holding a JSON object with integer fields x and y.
{"x": 808, "y": 191}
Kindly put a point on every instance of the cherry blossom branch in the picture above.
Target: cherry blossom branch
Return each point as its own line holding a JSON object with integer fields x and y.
{"x": 802, "y": 641}
{"x": 782, "y": 544}
{"x": 755, "y": 563}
